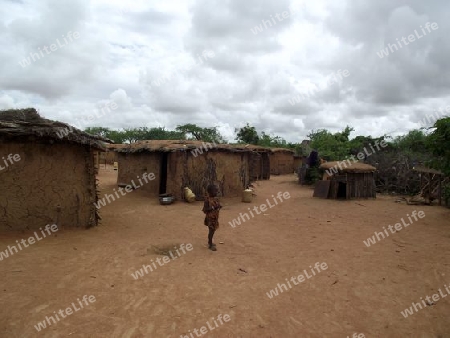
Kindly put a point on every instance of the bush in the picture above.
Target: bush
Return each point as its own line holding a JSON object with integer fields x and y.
{"x": 312, "y": 175}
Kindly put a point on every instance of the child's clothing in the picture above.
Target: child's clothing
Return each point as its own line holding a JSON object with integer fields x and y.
{"x": 211, "y": 208}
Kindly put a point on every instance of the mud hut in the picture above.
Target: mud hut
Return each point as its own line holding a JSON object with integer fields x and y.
{"x": 281, "y": 161}
{"x": 194, "y": 164}
{"x": 109, "y": 156}
{"x": 346, "y": 180}
{"x": 259, "y": 161}
{"x": 53, "y": 180}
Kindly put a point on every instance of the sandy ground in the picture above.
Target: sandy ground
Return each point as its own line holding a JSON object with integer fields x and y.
{"x": 363, "y": 290}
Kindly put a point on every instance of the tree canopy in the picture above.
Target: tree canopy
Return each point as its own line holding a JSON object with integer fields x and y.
{"x": 439, "y": 144}
{"x": 194, "y": 132}
{"x": 247, "y": 134}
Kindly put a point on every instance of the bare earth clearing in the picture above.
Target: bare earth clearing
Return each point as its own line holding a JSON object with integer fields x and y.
{"x": 363, "y": 290}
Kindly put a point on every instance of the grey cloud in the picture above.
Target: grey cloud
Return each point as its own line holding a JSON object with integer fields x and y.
{"x": 251, "y": 78}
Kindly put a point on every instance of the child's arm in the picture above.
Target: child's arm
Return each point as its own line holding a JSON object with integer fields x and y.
{"x": 217, "y": 205}
{"x": 206, "y": 206}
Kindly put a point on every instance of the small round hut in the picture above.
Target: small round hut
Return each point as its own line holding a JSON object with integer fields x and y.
{"x": 346, "y": 180}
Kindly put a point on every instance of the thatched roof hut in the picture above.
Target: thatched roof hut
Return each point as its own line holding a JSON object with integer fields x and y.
{"x": 346, "y": 179}
{"x": 180, "y": 163}
{"x": 53, "y": 180}
{"x": 27, "y": 123}
{"x": 347, "y": 167}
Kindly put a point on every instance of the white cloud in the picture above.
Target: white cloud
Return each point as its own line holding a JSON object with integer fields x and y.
{"x": 123, "y": 48}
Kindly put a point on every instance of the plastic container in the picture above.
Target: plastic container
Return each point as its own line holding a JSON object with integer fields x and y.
{"x": 189, "y": 196}
{"x": 247, "y": 195}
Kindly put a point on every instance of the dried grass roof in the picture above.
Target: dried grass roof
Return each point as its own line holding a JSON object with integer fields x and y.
{"x": 348, "y": 166}
{"x": 19, "y": 123}
{"x": 182, "y": 145}
{"x": 283, "y": 150}
{"x": 426, "y": 170}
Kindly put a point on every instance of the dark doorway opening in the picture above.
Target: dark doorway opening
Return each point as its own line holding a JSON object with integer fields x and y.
{"x": 342, "y": 190}
{"x": 265, "y": 166}
{"x": 163, "y": 173}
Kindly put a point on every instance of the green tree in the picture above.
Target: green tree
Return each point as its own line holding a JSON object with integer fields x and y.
{"x": 267, "y": 140}
{"x": 117, "y": 136}
{"x": 439, "y": 144}
{"x": 132, "y": 135}
{"x": 114, "y": 135}
{"x": 339, "y": 146}
{"x": 328, "y": 145}
{"x": 160, "y": 133}
{"x": 192, "y": 131}
{"x": 247, "y": 134}
{"x": 413, "y": 142}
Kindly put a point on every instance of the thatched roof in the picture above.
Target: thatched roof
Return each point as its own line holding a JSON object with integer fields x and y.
{"x": 426, "y": 170}
{"x": 282, "y": 150}
{"x": 348, "y": 166}
{"x": 20, "y": 123}
{"x": 182, "y": 145}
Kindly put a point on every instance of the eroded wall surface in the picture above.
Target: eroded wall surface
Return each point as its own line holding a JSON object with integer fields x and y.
{"x": 133, "y": 165}
{"x": 281, "y": 163}
{"x": 228, "y": 170}
{"x": 51, "y": 184}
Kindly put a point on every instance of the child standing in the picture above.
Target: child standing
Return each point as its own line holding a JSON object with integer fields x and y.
{"x": 211, "y": 208}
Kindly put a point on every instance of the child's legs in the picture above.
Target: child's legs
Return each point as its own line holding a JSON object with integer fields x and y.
{"x": 210, "y": 235}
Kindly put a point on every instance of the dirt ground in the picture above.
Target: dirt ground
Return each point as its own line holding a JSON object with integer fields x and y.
{"x": 363, "y": 290}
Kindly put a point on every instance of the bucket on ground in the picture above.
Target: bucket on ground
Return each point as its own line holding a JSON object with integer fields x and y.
{"x": 247, "y": 195}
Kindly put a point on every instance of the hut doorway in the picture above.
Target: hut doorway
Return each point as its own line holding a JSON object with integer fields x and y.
{"x": 259, "y": 164}
{"x": 342, "y": 190}
{"x": 265, "y": 166}
{"x": 163, "y": 173}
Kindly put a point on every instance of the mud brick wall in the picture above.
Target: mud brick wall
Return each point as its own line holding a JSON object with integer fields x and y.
{"x": 281, "y": 163}
{"x": 133, "y": 165}
{"x": 108, "y": 157}
{"x": 228, "y": 170}
{"x": 298, "y": 160}
{"x": 52, "y": 183}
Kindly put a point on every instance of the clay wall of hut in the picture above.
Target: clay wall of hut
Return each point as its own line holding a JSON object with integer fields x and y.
{"x": 54, "y": 180}
{"x": 281, "y": 162}
{"x": 177, "y": 169}
{"x": 228, "y": 170}
{"x": 107, "y": 157}
{"x": 133, "y": 165}
{"x": 298, "y": 161}
{"x": 51, "y": 184}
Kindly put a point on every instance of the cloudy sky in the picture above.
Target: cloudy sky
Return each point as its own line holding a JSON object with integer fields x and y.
{"x": 277, "y": 65}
